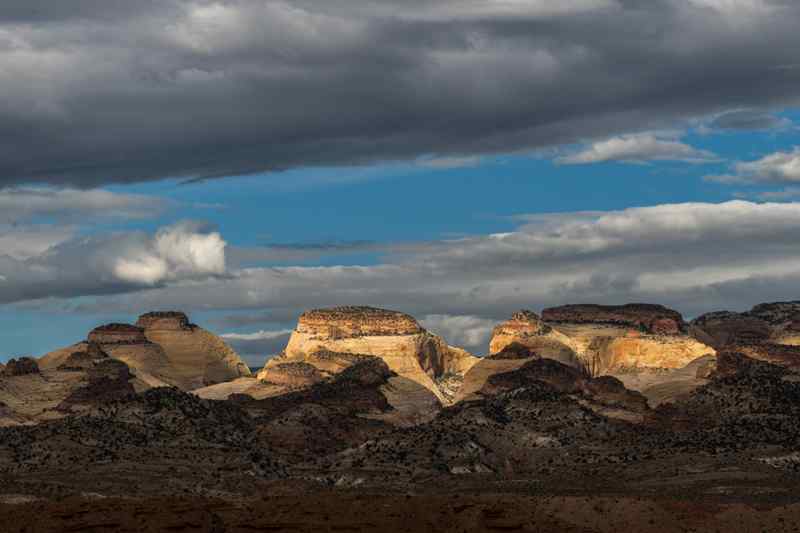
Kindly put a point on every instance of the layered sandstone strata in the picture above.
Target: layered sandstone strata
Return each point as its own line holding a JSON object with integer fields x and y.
{"x": 130, "y": 345}
{"x": 194, "y": 357}
{"x": 407, "y": 348}
{"x": 526, "y": 329}
{"x": 627, "y": 338}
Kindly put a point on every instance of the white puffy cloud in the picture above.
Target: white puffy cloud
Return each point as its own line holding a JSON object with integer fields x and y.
{"x": 638, "y": 148}
{"x": 114, "y": 263}
{"x": 174, "y": 252}
{"x": 779, "y": 167}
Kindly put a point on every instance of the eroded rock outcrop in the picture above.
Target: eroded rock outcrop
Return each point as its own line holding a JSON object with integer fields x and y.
{"x": 722, "y": 328}
{"x": 525, "y": 328}
{"x": 130, "y": 345}
{"x": 649, "y": 318}
{"x": 777, "y": 323}
{"x": 625, "y": 338}
{"x": 407, "y": 348}
{"x": 194, "y": 357}
{"x": 21, "y": 367}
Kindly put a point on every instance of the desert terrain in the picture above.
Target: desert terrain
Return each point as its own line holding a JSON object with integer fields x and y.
{"x": 584, "y": 418}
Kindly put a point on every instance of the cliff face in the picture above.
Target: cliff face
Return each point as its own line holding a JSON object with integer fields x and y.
{"x": 612, "y": 339}
{"x": 526, "y": 329}
{"x": 407, "y": 348}
{"x": 130, "y": 345}
{"x": 195, "y": 357}
{"x": 163, "y": 349}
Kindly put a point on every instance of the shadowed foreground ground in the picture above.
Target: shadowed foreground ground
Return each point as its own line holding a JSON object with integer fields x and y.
{"x": 350, "y": 511}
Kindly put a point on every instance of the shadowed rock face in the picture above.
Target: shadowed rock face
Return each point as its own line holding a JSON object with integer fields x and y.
{"x": 21, "y": 367}
{"x": 721, "y": 328}
{"x": 650, "y": 318}
{"x": 165, "y": 320}
{"x": 777, "y": 323}
{"x": 117, "y": 334}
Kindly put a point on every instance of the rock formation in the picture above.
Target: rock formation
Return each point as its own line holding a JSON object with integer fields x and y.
{"x": 162, "y": 349}
{"x": 777, "y": 322}
{"x": 195, "y": 357}
{"x": 129, "y": 344}
{"x": 527, "y": 329}
{"x": 510, "y": 358}
{"x": 408, "y": 349}
{"x": 613, "y": 339}
{"x": 721, "y": 328}
{"x": 21, "y": 367}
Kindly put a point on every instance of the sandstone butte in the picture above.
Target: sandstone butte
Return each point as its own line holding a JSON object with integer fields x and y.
{"x": 408, "y": 349}
{"x": 624, "y": 338}
{"x": 163, "y": 348}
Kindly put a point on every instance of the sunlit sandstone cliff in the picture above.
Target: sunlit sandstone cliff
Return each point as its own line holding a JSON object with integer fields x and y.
{"x": 397, "y": 338}
{"x": 196, "y": 357}
{"x": 163, "y": 349}
{"x": 525, "y": 328}
{"x": 613, "y": 339}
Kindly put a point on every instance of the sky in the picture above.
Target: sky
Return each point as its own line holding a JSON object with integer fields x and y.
{"x": 244, "y": 160}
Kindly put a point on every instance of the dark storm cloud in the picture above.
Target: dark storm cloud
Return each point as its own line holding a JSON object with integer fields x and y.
{"x": 110, "y": 91}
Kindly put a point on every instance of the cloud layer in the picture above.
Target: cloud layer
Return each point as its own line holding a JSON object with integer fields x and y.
{"x": 780, "y": 167}
{"x": 638, "y": 148}
{"x": 696, "y": 257}
{"x": 102, "y": 91}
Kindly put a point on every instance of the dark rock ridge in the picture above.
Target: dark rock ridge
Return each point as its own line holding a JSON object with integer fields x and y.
{"x": 80, "y": 361}
{"x": 108, "y": 380}
{"x": 778, "y": 313}
{"x": 117, "y": 334}
{"x": 721, "y": 328}
{"x": 21, "y": 367}
{"x": 168, "y": 320}
{"x": 607, "y": 391}
{"x": 651, "y": 318}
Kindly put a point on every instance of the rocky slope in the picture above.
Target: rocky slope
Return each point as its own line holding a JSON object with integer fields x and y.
{"x": 163, "y": 349}
{"x": 30, "y": 394}
{"x": 407, "y": 348}
{"x": 196, "y": 357}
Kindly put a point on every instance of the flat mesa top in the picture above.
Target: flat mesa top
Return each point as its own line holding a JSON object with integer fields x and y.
{"x": 118, "y": 328}
{"x": 360, "y": 320}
